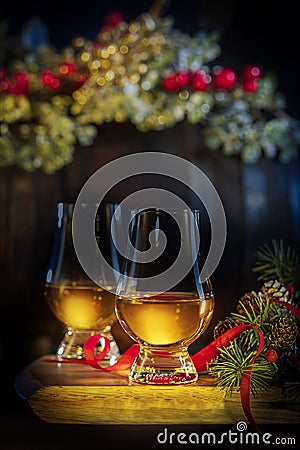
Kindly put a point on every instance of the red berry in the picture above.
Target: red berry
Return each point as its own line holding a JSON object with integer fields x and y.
{"x": 249, "y": 85}
{"x": 67, "y": 69}
{"x": 182, "y": 79}
{"x": 169, "y": 83}
{"x": 224, "y": 78}
{"x": 50, "y": 80}
{"x": 20, "y": 85}
{"x": 251, "y": 72}
{"x": 200, "y": 80}
{"x": 22, "y": 82}
{"x": 176, "y": 80}
{"x": 271, "y": 355}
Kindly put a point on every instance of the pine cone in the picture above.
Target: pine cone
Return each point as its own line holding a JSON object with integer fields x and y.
{"x": 283, "y": 334}
{"x": 276, "y": 290}
{"x": 223, "y": 326}
{"x": 246, "y": 300}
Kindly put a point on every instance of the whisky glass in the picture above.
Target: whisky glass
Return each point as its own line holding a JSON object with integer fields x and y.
{"x": 80, "y": 304}
{"x": 164, "y": 323}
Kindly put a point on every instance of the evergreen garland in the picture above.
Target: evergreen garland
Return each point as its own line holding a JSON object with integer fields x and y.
{"x": 278, "y": 364}
{"x": 277, "y": 261}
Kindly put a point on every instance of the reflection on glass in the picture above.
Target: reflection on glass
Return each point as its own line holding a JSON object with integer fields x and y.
{"x": 164, "y": 324}
{"x": 83, "y": 307}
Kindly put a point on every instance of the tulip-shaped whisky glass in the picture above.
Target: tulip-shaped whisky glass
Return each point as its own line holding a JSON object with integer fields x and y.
{"x": 161, "y": 302}
{"x": 83, "y": 307}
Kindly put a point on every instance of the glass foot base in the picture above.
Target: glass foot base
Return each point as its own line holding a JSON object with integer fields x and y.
{"x": 163, "y": 367}
{"x": 71, "y": 346}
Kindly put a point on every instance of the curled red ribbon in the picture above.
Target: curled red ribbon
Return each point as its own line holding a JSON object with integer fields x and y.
{"x": 124, "y": 362}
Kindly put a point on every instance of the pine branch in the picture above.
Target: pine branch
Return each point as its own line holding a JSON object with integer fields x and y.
{"x": 278, "y": 262}
{"x": 260, "y": 314}
{"x": 229, "y": 366}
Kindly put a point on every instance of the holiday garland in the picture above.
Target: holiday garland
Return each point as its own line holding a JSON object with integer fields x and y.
{"x": 145, "y": 72}
{"x": 269, "y": 310}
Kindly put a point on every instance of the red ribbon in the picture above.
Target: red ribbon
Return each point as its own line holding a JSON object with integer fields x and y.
{"x": 212, "y": 350}
{"x": 292, "y": 308}
{"x": 124, "y": 362}
{"x": 201, "y": 358}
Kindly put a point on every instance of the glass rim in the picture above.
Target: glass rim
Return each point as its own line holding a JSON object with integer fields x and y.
{"x": 72, "y": 204}
{"x": 166, "y": 210}
{"x": 129, "y": 208}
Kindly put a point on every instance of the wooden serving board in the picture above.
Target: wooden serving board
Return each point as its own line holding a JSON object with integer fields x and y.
{"x": 79, "y": 394}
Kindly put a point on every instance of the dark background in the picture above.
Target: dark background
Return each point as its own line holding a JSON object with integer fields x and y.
{"x": 251, "y": 32}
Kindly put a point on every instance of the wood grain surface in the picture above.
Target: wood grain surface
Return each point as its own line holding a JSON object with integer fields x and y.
{"x": 78, "y": 394}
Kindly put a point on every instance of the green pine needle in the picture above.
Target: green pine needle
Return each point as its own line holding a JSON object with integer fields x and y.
{"x": 277, "y": 262}
{"x": 260, "y": 314}
{"x": 229, "y": 366}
